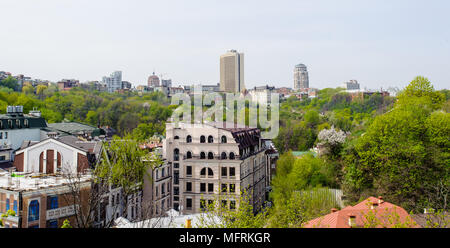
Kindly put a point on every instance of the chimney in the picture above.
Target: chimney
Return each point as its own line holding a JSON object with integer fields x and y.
{"x": 333, "y": 210}
{"x": 351, "y": 220}
{"x": 380, "y": 200}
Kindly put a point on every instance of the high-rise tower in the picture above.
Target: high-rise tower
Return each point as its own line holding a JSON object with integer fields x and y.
{"x": 301, "y": 80}
{"x": 232, "y": 72}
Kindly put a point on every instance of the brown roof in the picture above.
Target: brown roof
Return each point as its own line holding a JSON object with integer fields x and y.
{"x": 362, "y": 211}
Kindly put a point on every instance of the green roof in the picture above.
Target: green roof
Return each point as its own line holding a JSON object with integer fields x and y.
{"x": 302, "y": 153}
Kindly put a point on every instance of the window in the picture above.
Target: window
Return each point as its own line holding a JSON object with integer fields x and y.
{"x": 10, "y": 124}
{"x": 1, "y": 124}
{"x": 188, "y": 186}
{"x": 162, "y": 172}
{"x": 202, "y": 139}
{"x": 176, "y": 154}
{"x": 224, "y": 171}
{"x": 224, "y": 204}
{"x": 15, "y": 206}
{"x": 18, "y": 124}
{"x": 202, "y": 204}
{"x": 33, "y": 211}
{"x": 210, "y": 139}
{"x": 210, "y": 202}
{"x": 224, "y": 139}
{"x": 232, "y": 188}
{"x": 25, "y": 123}
{"x": 202, "y": 155}
{"x": 163, "y": 189}
{"x": 231, "y": 155}
{"x": 7, "y": 204}
{"x": 176, "y": 137}
{"x": 176, "y": 165}
{"x": 224, "y": 188}
{"x": 189, "y": 203}
{"x": 157, "y": 191}
{"x": 176, "y": 175}
{"x": 1, "y": 133}
{"x": 232, "y": 204}
{"x": 210, "y": 187}
{"x": 203, "y": 172}
{"x": 6, "y": 135}
{"x": 189, "y": 171}
{"x": 189, "y": 155}
{"x": 223, "y": 155}
{"x": 210, "y": 172}
{"x": 188, "y": 139}
{"x": 210, "y": 155}
{"x": 2, "y": 158}
{"x": 52, "y": 224}
{"x": 232, "y": 172}
{"x": 202, "y": 187}
{"x": 52, "y": 202}
{"x": 176, "y": 191}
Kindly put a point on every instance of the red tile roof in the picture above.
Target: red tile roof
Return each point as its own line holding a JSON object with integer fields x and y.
{"x": 387, "y": 215}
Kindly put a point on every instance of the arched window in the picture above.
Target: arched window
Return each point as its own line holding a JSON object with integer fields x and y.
{"x": 1, "y": 124}
{"x": 231, "y": 155}
{"x": 33, "y": 211}
{"x": 202, "y": 139}
{"x": 224, "y": 139}
{"x": 202, "y": 155}
{"x": 10, "y": 124}
{"x": 25, "y": 123}
{"x": 189, "y": 155}
{"x": 210, "y": 139}
{"x": 176, "y": 154}
{"x": 203, "y": 172}
{"x": 210, "y": 155}
{"x": 18, "y": 124}
{"x": 188, "y": 139}
{"x": 210, "y": 172}
{"x": 176, "y": 137}
{"x": 223, "y": 155}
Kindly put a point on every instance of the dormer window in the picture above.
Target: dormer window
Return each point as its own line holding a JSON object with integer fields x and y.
{"x": 25, "y": 123}
{"x": 18, "y": 124}
{"x": 10, "y": 124}
{"x": 1, "y": 124}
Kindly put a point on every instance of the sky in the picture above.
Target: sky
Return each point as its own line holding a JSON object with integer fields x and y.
{"x": 379, "y": 43}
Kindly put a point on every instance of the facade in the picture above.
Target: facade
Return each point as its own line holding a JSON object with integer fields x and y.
{"x": 232, "y": 72}
{"x": 301, "y": 79}
{"x": 153, "y": 81}
{"x": 113, "y": 82}
{"x": 126, "y": 85}
{"x": 67, "y": 84}
{"x": 262, "y": 94}
{"x": 209, "y": 162}
{"x": 157, "y": 192}
{"x": 43, "y": 202}
{"x": 351, "y": 85}
{"x": 166, "y": 82}
{"x": 17, "y": 127}
{"x": 62, "y": 155}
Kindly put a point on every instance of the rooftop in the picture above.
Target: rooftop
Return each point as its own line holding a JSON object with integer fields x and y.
{"x": 71, "y": 127}
{"x": 18, "y": 181}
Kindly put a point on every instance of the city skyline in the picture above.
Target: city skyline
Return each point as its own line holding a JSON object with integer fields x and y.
{"x": 380, "y": 44}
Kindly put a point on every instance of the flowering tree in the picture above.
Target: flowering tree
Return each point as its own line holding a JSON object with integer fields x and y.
{"x": 332, "y": 139}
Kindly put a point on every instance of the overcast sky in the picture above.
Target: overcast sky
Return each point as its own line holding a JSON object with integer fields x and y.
{"x": 378, "y": 43}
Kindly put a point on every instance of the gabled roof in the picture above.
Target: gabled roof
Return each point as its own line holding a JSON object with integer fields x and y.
{"x": 340, "y": 219}
{"x": 82, "y": 146}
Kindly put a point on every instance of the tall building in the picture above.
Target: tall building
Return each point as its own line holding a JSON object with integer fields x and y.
{"x": 114, "y": 81}
{"x": 153, "y": 80}
{"x": 301, "y": 80}
{"x": 351, "y": 85}
{"x": 232, "y": 72}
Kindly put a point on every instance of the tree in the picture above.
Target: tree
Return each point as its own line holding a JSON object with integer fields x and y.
{"x": 9, "y": 82}
{"x": 28, "y": 89}
{"x": 40, "y": 90}
{"x": 332, "y": 140}
{"x": 404, "y": 153}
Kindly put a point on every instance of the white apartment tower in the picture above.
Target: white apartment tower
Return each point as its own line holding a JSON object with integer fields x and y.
{"x": 232, "y": 72}
{"x": 301, "y": 80}
{"x": 113, "y": 82}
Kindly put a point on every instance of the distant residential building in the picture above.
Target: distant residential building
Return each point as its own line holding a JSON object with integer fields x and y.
{"x": 143, "y": 88}
{"x": 166, "y": 82}
{"x": 153, "y": 81}
{"x": 126, "y": 85}
{"x": 232, "y": 72}
{"x": 113, "y": 82}
{"x": 301, "y": 79}
{"x": 67, "y": 84}
{"x": 262, "y": 94}
{"x": 351, "y": 85}
{"x": 16, "y": 127}
{"x": 94, "y": 85}
{"x": 189, "y": 89}
{"x": 360, "y": 214}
